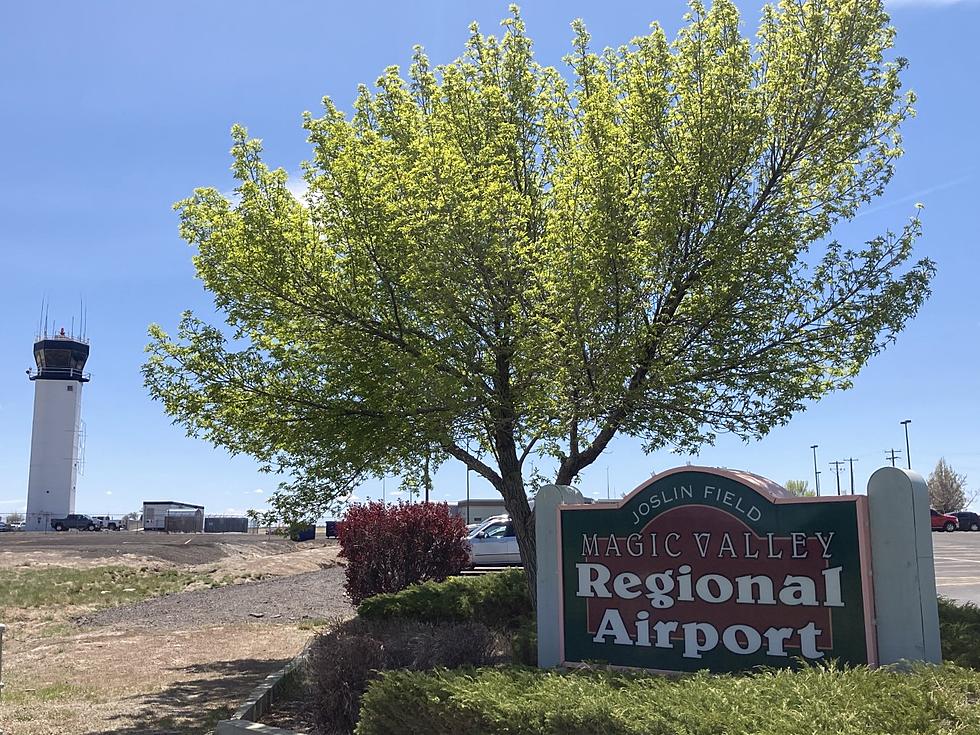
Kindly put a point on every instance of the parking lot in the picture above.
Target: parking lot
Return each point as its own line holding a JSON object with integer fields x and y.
{"x": 957, "y": 557}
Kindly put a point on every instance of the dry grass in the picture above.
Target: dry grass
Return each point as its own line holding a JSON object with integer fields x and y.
{"x": 151, "y": 683}
{"x": 61, "y": 678}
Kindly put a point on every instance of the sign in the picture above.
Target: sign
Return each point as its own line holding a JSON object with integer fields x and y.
{"x": 704, "y": 568}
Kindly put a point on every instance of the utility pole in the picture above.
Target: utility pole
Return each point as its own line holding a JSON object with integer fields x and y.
{"x": 891, "y": 454}
{"x": 816, "y": 472}
{"x": 851, "y": 461}
{"x": 837, "y": 468}
{"x": 908, "y": 454}
{"x": 607, "y": 482}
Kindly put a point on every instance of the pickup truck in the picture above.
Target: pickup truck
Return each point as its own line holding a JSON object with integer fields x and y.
{"x": 107, "y": 522}
{"x": 75, "y": 520}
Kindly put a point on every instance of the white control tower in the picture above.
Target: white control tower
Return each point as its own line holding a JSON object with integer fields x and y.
{"x": 55, "y": 439}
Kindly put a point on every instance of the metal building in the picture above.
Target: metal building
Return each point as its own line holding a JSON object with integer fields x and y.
{"x": 170, "y": 515}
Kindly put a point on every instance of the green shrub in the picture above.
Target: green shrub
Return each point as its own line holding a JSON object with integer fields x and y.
{"x": 959, "y": 632}
{"x": 499, "y": 601}
{"x": 816, "y": 700}
{"x": 345, "y": 659}
{"x": 524, "y": 643}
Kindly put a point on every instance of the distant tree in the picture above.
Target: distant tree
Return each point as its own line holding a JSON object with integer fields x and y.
{"x": 132, "y": 516}
{"x": 502, "y": 264}
{"x": 800, "y": 488}
{"x": 14, "y": 517}
{"x": 947, "y": 488}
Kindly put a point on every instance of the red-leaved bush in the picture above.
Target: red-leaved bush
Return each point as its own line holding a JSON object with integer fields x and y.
{"x": 389, "y": 547}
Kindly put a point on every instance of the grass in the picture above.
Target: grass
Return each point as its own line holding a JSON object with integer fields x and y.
{"x": 33, "y": 587}
{"x": 49, "y": 693}
{"x": 315, "y": 623}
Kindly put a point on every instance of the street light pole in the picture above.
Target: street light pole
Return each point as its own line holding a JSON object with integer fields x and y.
{"x": 908, "y": 455}
{"x": 816, "y": 472}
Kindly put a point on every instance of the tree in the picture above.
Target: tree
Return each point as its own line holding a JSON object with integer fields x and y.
{"x": 947, "y": 489}
{"x": 15, "y": 517}
{"x": 499, "y": 265}
{"x": 800, "y": 488}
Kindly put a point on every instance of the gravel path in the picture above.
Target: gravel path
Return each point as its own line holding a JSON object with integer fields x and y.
{"x": 310, "y": 595}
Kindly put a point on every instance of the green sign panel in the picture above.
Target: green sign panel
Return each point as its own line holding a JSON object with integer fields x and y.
{"x": 703, "y": 568}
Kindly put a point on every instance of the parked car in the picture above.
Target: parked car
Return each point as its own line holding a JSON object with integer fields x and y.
{"x": 5, "y": 527}
{"x": 18, "y": 526}
{"x": 107, "y": 522}
{"x": 494, "y": 542}
{"x": 968, "y": 521}
{"x": 943, "y": 522}
{"x": 75, "y": 520}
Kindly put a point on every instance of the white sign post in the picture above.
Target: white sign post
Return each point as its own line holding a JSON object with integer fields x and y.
{"x": 906, "y": 610}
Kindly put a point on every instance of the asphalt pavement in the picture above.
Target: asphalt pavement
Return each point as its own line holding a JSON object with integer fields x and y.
{"x": 957, "y": 556}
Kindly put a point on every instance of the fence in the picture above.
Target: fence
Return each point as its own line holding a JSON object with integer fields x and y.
{"x": 226, "y": 524}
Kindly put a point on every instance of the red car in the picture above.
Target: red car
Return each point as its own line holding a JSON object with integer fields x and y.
{"x": 943, "y": 522}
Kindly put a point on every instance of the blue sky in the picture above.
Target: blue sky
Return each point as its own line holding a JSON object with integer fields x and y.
{"x": 112, "y": 111}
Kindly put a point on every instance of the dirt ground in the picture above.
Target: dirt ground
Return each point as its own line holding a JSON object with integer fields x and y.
{"x": 174, "y": 664}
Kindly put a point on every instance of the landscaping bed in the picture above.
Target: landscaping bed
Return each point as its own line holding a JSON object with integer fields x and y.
{"x": 455, "y": 657}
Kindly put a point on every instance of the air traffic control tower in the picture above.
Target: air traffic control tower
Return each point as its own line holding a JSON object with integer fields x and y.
{"x": 56, "y": 436}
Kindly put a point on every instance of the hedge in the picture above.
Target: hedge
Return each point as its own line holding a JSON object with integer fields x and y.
{"x": 499, "y": 601}
{"x": 859, "y": 701}
{"x": 959, "y": 631}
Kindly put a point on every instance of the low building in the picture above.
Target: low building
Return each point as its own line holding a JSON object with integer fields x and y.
{"x": 170, "y": 515}
{"x": 477, "y": 510}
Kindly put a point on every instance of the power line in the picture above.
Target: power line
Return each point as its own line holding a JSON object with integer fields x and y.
{"x": 851, "y": 461}
{"x": 892, "y": 454}
{"x": 837, "y": 468}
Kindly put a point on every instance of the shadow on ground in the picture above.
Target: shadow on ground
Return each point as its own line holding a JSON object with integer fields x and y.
{"x": 196, "y": 704}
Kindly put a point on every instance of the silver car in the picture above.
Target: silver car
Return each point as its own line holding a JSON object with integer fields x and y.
{"x": 494, "y": 542}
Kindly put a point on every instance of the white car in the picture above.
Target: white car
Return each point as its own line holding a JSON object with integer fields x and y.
{"x": 494, "y": 542}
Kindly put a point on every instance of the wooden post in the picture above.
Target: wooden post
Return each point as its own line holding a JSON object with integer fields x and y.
{"x": 2, "y": 629}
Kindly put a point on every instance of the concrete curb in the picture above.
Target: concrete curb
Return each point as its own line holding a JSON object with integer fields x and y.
{"x": 260, "y": 701}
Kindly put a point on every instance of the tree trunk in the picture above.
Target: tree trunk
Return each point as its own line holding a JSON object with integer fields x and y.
{"x": 515, "y": 500}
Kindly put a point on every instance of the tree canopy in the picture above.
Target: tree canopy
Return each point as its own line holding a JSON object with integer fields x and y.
{"x": 497, "y": 261}
{"x": 947, "y": 488}
{"x": 800, "y": 488}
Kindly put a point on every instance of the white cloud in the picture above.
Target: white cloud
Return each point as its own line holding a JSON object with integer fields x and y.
{"x": 234, "y": 511}
{"x": 8, "y": 502}
{"x": 258, "y": 491}
{"x": 108, "y": 492}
